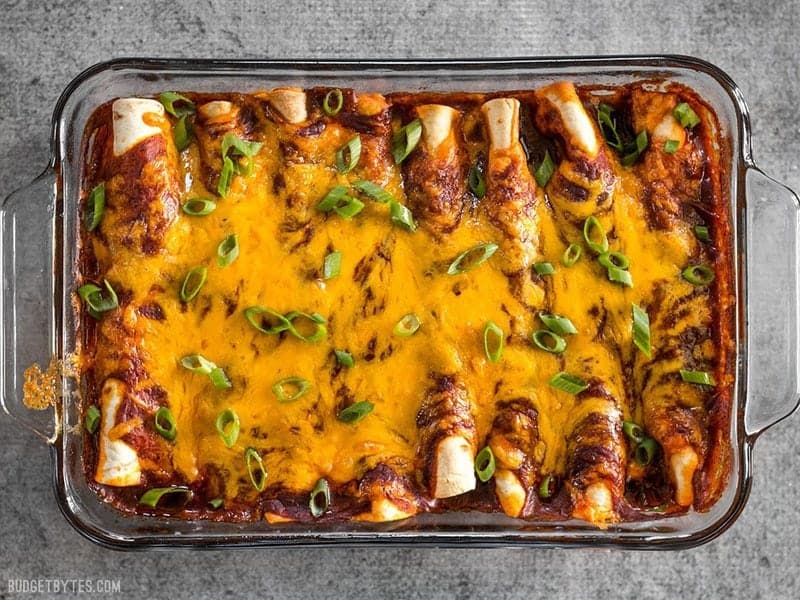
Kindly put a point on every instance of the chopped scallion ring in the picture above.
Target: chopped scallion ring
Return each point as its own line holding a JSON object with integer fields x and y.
{"x": 320, "y": 498}
{"x": 197, "y": 363}
{"x": 355, "y": 412}
{"x": 558, "y": 324}
{"x": 485, "y": 464}
{"x": 92, "y": 419}
{"x": 97, "y": 304}
{"x": 686, "y": 116}
{"x": 608, "y": 126}
{"x": 641, "y": 329}
{"x": 405, "y": 140}
{"x": 571, "y": 254}
{"x": 228, "y": 427}
{"x": 544, "y": 268}
{"x": 153, "y": 496}
{"x": 333, "y": 102}
{"x": 635, "y": 149}
{"x": 341, "y": 203}
{"x": 469, "y": 259}
{"x": 698, "y": 274}
{"x": 671, "y": 146}
{"x": 347, "y": 156}
{"x": 233, "y": 145}
{"x": 702, "y": 233}
{"x": 698, "y": 377}
{"x": 290, "y": 389}
{"x": 476, "y": 182}
{"x": 374, "y": 191}
{"x": 407, "y": 326}
{"x": 176, "y": 104}
{"x": 255, "y": 467}
{"x": 332, "y": 265}
{"x": 199, "y": 207}
{"x": 182, "y": 134}
{"x": 545, "y": 170}
{"x": 568, "y": 383}
{"x": 493, "y": 341}
{"x": 219, "y": 379}
{"x": 95, "y": 206}
{"x": 266, "y": 320}
{"x": 547, "y": 487}
{"x": 165, "y": 423}
{"x": 315, "y": 320}
{"x": 400, "y": 215}
{"x": 228, "y": 250}
{"x": 192, "y": 283}
{"x": 225, "y": 177}
{"x": 593, "y": 228}
{"x": 216, "y": 503}
{"x": 645, "y": 451}
{"x": 344, "y": 358}
{"x": 621, "y": 276}
{"x": 614, "y": 259}
{"x": 549, "y": 341}
{"x": 634, "y": 431}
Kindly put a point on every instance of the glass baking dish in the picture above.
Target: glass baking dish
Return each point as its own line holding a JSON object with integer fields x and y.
{"x": 39, "y": 239}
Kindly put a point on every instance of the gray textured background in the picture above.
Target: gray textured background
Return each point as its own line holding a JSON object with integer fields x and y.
{"x": 45, "y": 44}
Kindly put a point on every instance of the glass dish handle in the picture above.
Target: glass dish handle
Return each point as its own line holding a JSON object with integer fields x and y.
{"x": 773, "y": 303}
{"x": 27, "y": 299}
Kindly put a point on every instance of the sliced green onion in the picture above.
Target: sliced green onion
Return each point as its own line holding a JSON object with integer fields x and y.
{"x": 593, "y": 226}
{"x": 182, "y": 134}
{"x": 571, "y": 254}
{"x": 332, "y": 265}
{"x": 635, "y": 149}
{"x": 547, "y": 487}
{"x": 92, "y": 419}
{"x": 558, "y": 324}
{"x": 614, "y": 259}
{"x": 228, "y": 427}
{"x": 197, "y": 363}
{"x": 374, "y": 191}
{"x": 347, "y": 156}
{"x": 344, "y": 358}
{"x": 225, "y": 177}
{"x": 622, "y": 276}
{"x": 216, "y": 503}
{"x": 686, "y": 116}
{"x": 469, "y": 259}
{"x": 568, "y": 383}
{"x": 476, "y": 182}
{"x": 405, "y": 140}
{"x": 355, "y": 412}
{"x": 698, "y": 377}
{"x": 228, "y": 250}
{"x": 219, "y": 379}
{"x": 290, "y": 389}
{"x": 634, "y": 431}
{"x": 92, "y": 295}
{"x": 316, "y": 320}
{"x": 233, "y": 145}
{"x": 549, "y": 341}
{"x": 485, "y": 464}
{"x": 165, "y": 423}
{"x": 320, "y": 498}
{"x": 645, "y": 451}
{"x": 255, "y": 467}
{"x": 608, "y": 126}
{"x": 153, "y": 496}
{"x": 407, "y": 326}
{"x": 339, "y": 201}
{"x": 544, "y": 268}
{"x": 545, "y": 170}
{"x": 702, "y": 233}
{"x": 279, "y": 322}
{"x": 95, "y": 206}
{"x": 400, "y": 215}
{"x": 698, "y": 274}
{"x": 641, "y": 329}
{"x": 199, "y": 207}
{"x": 671, "y": 146}
{"x": 493, "y": 341}
{"x": 333, "y": 102}
{"x": 192, "y": 283}
{"x": 171, "y": 99}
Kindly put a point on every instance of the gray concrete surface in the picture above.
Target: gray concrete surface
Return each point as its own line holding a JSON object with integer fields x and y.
{"x": 44, "y": 44}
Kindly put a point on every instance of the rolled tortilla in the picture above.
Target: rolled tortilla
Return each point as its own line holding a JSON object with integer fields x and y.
{"x": 117, "y": 462}
{"x": 390, "y": 495}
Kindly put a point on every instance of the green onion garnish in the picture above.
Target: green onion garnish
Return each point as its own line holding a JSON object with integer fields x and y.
{"x": 485, "y": 464}
{"x": 698, "y": 377}
{"x": 347, "y": 156}
{"x": 344, "y": 358}
{"x": 614, "y": 259}
{"x": 332, "y": 265}
{"x": 225, "y": 177}
{"x": 702, "y": 233}
{"x": 320, "y": 498}
{"x": 568, "y": 383}
{"x": 698, "y": 274}
{"x": 219, "y": 379}
{"x": 686, "y": 116}
{"x": 400, "y": 215}
{"x": 621, "y": 276}
{"x": 92, "y": 419}
{"x": 544, "y": 268}
{"x": 228, "y": 427}
{"x": 216, "y": 503}
{"x": 635, "y": 149}
{"x": 233, "y": 146}
{"x": 476, "y": 182}
{"x": 405, "y": 140}
{"x": 290, "y": 389}
{"x": 407, "y": 326}
{"x": 176, "y": 104}
{"x": 641, "y": 329}
{"x": 228, "y": 250}
{"x": 165, "y": 423}
{"x": 339, "y": 201}
{"x": 95, "y": 207}
{"x": 645, "y": 451}
{"x": 315, "y": 320}
{"x": 469, "y": 259}
{"x": 545, "y": 170}
{"x": 493, "y": 341}
{"x": 592, "y": 226}
{"x": 153, "y": 496}
{"x": 266, "y": 320}
{"x": 571, "y": 254}
{"x": 547, "y": 487}
{"x": 355, "y": 412}
{"x": 558, "y": 324}
{"x": 182, "y": 134}
{"x": 549, "y": 341}
{"x": 92, "y": 295}
{"x": 671, "y": 146}
{"x": 199, "y": 207}
{"x": 255, "y": 467}
{"x": 634, "y": 431}
{"x": 192, "y": 283}
{"x": 197, "y": 363}
{"x": 333, "y": 102}
{"x": 608, "y": 126}
{"x": 374, "y": 191}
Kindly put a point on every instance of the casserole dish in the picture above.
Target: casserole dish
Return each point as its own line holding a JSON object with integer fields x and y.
{"x": 760, "y": 210}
